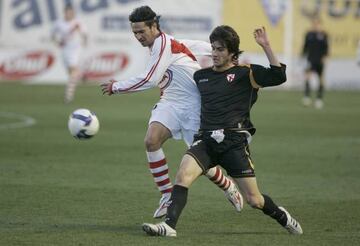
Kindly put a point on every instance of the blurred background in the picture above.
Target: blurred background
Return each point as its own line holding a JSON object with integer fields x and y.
{"x": 28, "y": 55}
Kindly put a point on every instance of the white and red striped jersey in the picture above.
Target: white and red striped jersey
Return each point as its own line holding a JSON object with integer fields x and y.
{"x": 69, "y": 34}
{"x": 171, "y": 67}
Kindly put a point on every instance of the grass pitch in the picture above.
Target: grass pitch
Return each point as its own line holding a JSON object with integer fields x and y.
{"x": 56, "y": 190}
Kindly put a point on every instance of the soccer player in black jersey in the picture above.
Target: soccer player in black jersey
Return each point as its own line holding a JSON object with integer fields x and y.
{"x": 315, "y": 50}
{"x": 227, "y": 92}
{"x": 358, "y": 53}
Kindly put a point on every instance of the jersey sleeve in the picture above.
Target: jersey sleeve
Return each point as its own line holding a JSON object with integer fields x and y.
{"x": 326, "y": 45}
{"x": 264, "y": 77}
{"x": 197, "y": 47}
{"x": 160, "y": 59}
{"x": 54, "y": 32}
{"x": 201, "y": 50}
{"x": 82, "y": 28}
{"x": 305, "y": 49}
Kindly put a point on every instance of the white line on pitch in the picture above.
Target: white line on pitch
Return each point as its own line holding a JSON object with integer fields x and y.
{"x": 20, "y": 121}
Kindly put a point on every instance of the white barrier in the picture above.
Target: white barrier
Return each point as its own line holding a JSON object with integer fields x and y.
{"x": 27, "y": 53}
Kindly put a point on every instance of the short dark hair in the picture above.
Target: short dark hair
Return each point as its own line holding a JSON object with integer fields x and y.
{"x": 145, "y": 14}
{"x": 316, "y": 18}
{"x": 69, "y": 6}
{"x": 228, "y": 37}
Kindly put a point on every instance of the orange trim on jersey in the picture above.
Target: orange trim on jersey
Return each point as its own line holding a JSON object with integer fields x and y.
{"x": 252, "y": 80}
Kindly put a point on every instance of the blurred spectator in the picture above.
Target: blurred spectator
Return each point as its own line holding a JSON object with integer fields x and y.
{"x": 315, "y": 51}
{"x": 70, "y": 35}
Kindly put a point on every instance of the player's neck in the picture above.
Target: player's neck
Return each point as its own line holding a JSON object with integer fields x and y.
{"x": 223, "y": 67}
{"x": 156, "y": 36}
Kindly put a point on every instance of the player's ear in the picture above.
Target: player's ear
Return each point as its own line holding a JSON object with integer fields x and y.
{"x": 153, "y": 26}
{"x": 235, "y": 60}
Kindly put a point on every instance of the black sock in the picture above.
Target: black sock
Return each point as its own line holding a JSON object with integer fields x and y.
{"x": 307, "y": 88}
{"x": 178, "y": 201}
{"x": 320, "y": 91}
{"x": 271, "y": 209}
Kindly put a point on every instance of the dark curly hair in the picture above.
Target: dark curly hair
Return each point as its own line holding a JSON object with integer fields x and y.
{"x": 228, "y": 37}
{"x": 145, "y": 14}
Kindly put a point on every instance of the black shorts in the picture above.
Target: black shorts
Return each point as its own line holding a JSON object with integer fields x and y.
{"x": 317, "y": 67}
{"x": 232, "y": 153}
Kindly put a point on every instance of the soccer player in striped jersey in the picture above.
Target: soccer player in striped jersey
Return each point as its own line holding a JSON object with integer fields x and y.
{"x": 177, "y": 114}
{"x": 227, "y": 94}
{"x": 70, "y": 35}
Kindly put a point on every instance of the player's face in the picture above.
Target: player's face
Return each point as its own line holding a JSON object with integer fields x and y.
{"x": 316, "y": 25}
{"x": 144, "y": 34}
{"x": 69, "y": 14}
{"x": 221, "y": 57}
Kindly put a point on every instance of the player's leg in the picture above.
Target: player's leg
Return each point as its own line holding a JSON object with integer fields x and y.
{"x": 156, "y": 135}
{"x": 263, "y": 202}
{"x": 319, "y": 104}
{"x": 71, "y": 58}
{"x": 216, "y": 176}
{"x": 238, "y": 164}
{"x": 230, "y": 189}
{"x": 163, "y": 125}
{"x": 188, "y": 172}
{"x": 306, "y": 100}
{"x": 70, "y": 88}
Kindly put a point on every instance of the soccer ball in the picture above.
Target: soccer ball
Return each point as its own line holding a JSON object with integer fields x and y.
{"x": 83, "y": 124}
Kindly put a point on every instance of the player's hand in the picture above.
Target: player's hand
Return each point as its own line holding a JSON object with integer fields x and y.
{"x": 107, "y": 87}
{"x": 261, "y": 37}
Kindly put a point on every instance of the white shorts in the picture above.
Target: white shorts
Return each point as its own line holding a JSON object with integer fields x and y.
{"x": 183, "y": 124}
{"x": 71, "y": 56}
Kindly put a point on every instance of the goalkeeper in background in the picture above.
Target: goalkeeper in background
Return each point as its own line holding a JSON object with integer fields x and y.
{"x": 358, "y": 54}
{"x": 315, "y": 50}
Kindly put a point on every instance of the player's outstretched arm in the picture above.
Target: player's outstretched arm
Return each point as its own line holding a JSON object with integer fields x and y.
{"x": 106, "y": 87}
{"x": 160, "y": 60}
{"x": 262, "y": 39}
{"x": 262, "y": 76}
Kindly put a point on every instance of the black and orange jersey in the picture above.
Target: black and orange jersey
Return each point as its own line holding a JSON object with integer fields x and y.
{"x": 316, "y": 46}
{"x": 227, "y": 97}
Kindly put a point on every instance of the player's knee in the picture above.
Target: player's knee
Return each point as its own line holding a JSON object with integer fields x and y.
{"x": 152, "y": 143}
{"x": 185, "y": 176}
{"x": 255, "y": 200}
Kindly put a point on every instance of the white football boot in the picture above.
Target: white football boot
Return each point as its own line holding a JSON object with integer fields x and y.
{"x": 319, "y": 104}
{"x": 306, "y": 101}
{"x": 163, "y": 205}
{"x": 292, "y": 226}
{"x": 234, "y": 196}
{"x": 161, "y": 229}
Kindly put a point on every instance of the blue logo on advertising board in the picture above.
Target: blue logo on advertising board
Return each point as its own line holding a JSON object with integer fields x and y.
{"x": 29, "y": 13}
{"x": 274, "y": 9}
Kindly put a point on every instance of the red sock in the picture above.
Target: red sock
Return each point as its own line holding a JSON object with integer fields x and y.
{"x": 217, "y": 177}
{"x": 160, "y": 171}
